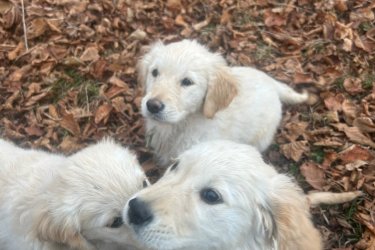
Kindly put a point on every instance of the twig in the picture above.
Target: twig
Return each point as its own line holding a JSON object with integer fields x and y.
{"x": 24, "y": 25}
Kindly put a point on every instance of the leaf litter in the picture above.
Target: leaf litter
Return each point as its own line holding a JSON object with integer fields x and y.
{"x": 76, "y": 83}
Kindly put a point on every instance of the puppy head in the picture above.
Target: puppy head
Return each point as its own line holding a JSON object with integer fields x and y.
{"x": 184, "y": 78}
{"x": 90, "y": 192}
{"x": 213, "y": 197}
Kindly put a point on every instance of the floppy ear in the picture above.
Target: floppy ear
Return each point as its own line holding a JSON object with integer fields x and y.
{"x": 221, "y": 90}
{"x": 144, "y": 62}
{"x": 61, "y": 229}
{"x": 268, "y": 222}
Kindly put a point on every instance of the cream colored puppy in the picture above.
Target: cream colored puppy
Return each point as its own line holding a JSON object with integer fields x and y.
{"x": 192, "y": 96}
{"x": 221, "y": 195}
{"x": 49, "y": 201}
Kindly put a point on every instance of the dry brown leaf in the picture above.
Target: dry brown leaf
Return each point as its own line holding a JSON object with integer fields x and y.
{"x": 294, "y": 150}
{"x": 365, "y": 124}
{"x": 313, "y": 174}
{"x": 225, "y": 17}
{"x": 353, "y": 86}
{"x": 201, "y": 25}
{"x": 350, "y": 111}
{"x": 17, "y": 51}
{"x": 36, "y": 28}
{"x": 118, "y": 104}
{"x": 69, "y": 123}
{"x": 102, "y": 113}
{"x": 354, "y": 134}
{"x": 70, "y": 145}
{"x": 334, "y": 102}
{"x": 174, "y": 4}
{"x": 181, "y": 22}
{"x": 90, "y": 54}
{"x": 354, "y": 153}
{"x": 274, "y": 19}
{"x": 34, "y": 131}
{"x": 118, "y": 82}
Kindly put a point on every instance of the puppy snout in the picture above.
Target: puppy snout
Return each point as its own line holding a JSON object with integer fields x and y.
{"x": 154, "y": 105}
{"x": 139, "y": 212}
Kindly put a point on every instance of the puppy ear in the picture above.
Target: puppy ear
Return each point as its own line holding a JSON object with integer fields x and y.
{"x": 61, "y": 229}
{"x": 221, "y": 90}
{"x": 144, "y": 62}
{"x": 268, "y": 222}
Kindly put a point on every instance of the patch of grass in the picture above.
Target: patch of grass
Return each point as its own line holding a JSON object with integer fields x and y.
{"x": 275, "y": 147}
{"x": 357, "y": 227}
{"x": 210, "y": 28}
{"x": 87, "y": 88}
{"x": 368, "y": 81}
{"x": 88, "y": 92}
{"x": 294, "y": 170}
{"x": 317, "y": 155}
{"x": 339, "y": 82}
{"x": 365, "y": 26}
{"x": 263, "y": 52}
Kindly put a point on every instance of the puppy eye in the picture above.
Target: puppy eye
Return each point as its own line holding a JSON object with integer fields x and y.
{"x": 145, "y": 183}
{"x": 155, "y": 72}
{"x": 186, "y": 82}
{"x": 117, "y": 222}
{"x": 174, "y": 166}
{"x": 211, "y": 196}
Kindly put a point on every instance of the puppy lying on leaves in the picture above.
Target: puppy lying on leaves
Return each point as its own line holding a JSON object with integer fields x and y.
{"x": 221, "y": 195}
{"x": 52, "y": 202}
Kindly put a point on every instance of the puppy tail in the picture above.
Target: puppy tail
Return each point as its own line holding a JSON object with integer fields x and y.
{"x": 289, "y": 96}
{"x": 316, "y": 198}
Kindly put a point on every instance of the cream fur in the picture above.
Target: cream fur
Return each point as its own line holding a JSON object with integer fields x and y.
{"x": 261, "y": 208}
{"x": 235, "y": 103}
{"x": 50, "y": 201}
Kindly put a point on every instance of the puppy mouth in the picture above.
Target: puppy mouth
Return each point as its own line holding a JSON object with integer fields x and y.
{"x": 157, "y": 117}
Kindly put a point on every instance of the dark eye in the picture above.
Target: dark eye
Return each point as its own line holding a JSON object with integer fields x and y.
{"x": 145, "y": 183}
{"x": 155, "y": 72}
{"x": 211, "y": 196}
{"x": 186, "y": 82}
{"x": 117, "y": 222}
{"x": 174, "y": 166}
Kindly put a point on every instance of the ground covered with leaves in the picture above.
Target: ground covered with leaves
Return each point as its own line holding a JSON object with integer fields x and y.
{"x": 70, "y": 80}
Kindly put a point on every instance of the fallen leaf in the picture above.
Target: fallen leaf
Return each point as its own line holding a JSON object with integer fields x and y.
{"x": 354, "y": 153}
{"x": 294, "y": 150}
{"x": 365, "y": 124}
{"x": 102, "y": 113}
{"x": 313, "y": 174}
{"x": 354, "y": 134}
{"x": 353, "y": 86}
{"x": 69, "y": 123}
{"x": 90, "y": 54}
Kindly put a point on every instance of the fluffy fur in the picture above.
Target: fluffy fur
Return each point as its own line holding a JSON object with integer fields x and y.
{"x": 48, "y": 201}
{"x": 235, "y": 103}
{"x": 260, "y": 208}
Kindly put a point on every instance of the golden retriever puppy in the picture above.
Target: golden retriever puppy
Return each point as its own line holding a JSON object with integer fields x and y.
{"x": 48, "y": 200}
{"x": 191, "y": 95}
{"x": 221, "y": 195}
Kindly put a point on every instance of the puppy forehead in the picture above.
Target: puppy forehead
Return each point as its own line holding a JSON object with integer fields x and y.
{"x": 184, "y": 54}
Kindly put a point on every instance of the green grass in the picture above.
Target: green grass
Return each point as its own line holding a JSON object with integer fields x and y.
{"x": 368, "y": 81}
{"x": 339, "y": 82}
{"x": 317, "y": 155}
{"x": 357, "y": 227}
{"x": 210, "y": 28}
{"x": 294, "y": 170}
{"x": 365, "y": 26}
{"x": 264, "y": 52}
{"x": 87, "y": 88}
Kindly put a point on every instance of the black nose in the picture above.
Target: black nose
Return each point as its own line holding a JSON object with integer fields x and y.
{"x": 154, "y": 106}
{"x": 139, "y": 213}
